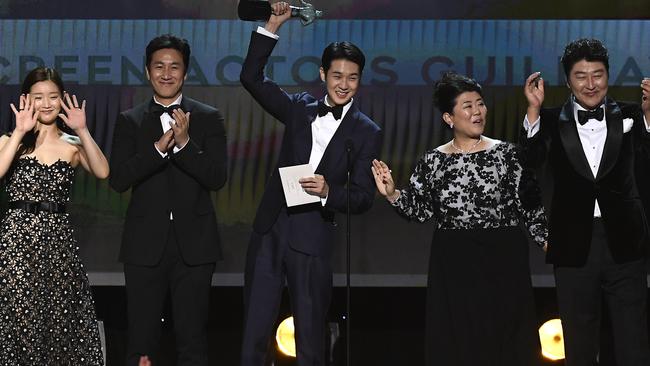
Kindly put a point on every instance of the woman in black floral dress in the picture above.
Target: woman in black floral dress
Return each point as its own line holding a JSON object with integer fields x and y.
{"x": 47, "y": 315}
{"x": 480, "y": 306}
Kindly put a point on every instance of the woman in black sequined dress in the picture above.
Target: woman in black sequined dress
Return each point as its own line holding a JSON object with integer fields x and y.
{"x": 47, "y": 315}
{"x": 480, "y": 306}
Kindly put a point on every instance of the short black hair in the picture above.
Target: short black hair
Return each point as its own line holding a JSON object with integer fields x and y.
{"x": 169, "y": 41}
{"x": 342, "y": 50}
{"x": 589, "y": 49}
{"x": 448, "y": 89}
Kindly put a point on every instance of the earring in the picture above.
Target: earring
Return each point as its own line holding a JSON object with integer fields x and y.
{"x": 451, "y": 125}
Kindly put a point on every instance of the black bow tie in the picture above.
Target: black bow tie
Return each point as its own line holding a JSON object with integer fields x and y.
{"x": 158, "y": 110}
{"x": 584, "y": 116}
{"x": 324, "y": 109}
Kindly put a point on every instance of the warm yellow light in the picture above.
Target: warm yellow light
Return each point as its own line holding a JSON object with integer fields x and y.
{"x": 552, "y": 340}
{"x": 285, "y": 337}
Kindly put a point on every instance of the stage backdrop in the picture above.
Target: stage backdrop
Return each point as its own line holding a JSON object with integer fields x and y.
{"x": 102, "y": 61}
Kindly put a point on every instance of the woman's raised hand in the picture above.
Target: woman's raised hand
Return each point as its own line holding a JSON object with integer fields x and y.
{"x": 75, "y": 115}
{"x": 26, "y": 114}
{"x": 383, "y": 179}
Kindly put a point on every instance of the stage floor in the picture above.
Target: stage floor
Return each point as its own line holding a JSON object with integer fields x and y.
{"x": 387, "y": 325}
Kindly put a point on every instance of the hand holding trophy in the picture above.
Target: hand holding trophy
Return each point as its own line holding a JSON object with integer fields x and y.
{"x": 260, "y": 10}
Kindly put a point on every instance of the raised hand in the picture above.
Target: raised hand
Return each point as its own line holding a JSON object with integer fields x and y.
{"x": 534, "y": 92}
{"x": 75, "y": 116}
{"x": 645, "y": 99}
{"x": 384, "y": 180}
{"x": 280, "y": 13}
{"x": 26, "y": 114}
{"x": 180, "y": 127}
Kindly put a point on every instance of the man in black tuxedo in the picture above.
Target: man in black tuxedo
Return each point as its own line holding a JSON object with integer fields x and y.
{"x": 170, "y": 241}
{"x": 295, "y": 243}
{"x": 598, "y": 235}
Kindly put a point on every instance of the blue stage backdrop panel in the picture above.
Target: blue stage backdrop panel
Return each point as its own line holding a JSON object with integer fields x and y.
{"x": 399, "y": 52}
{"x": 103, "y": 62}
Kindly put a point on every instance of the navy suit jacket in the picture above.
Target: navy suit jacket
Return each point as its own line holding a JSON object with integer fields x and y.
{"x": 180, "y": 183}
{"x": 570, "y": 188}
{"x": 312, "y": 225}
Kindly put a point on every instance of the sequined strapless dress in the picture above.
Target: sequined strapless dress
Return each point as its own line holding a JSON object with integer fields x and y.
{"x": 47, "y": 315}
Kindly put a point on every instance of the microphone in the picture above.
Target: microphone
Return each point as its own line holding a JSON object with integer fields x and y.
{"x": 349, "y": 144}
{"x": 260, "y": 10}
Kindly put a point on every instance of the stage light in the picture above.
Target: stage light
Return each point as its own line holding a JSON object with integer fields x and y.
{"x": 284, "y": 337}
{"x": 552, "y": 340}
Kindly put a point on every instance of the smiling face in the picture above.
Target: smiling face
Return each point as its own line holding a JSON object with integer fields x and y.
{"x": 166, "y": 72}
{"x": 468, "y": 116}
{"x": 342, "y": 80}
{"x": 588, "y": 82}
{"x": 47, "y": 100}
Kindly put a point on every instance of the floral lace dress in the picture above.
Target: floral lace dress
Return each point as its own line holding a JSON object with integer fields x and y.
{"x": 480, "y": 305}
{"x": 47, "y": 315}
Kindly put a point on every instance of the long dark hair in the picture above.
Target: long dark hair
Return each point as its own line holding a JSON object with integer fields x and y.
{"x": 28, "y": 143}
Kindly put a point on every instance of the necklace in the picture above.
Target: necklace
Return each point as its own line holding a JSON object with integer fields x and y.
{"x": 453, "y": 144}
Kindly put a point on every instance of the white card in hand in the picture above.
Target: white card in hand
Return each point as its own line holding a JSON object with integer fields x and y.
{"x": 293, "y": 192}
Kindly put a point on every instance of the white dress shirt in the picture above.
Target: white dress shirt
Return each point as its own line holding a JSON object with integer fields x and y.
{"x": 165, "y": 121}
{"x": 262, "y": 30}
{"x": 322, "y": 131}
{"x": 592, "y": 138}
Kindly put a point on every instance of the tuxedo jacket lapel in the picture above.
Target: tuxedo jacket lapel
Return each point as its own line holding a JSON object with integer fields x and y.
{"x": 614, "y": 119}
{"x": 302, "y": 139}
{"x": 571, "y": 141}
{"x": 185, "y": 105}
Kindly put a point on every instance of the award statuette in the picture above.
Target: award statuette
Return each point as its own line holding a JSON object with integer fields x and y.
{"x": 260, "y": 10}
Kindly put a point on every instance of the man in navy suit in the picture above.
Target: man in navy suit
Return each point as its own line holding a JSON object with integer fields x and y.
{"x": 588, "y": 150}
{"x": 295, "y": 243}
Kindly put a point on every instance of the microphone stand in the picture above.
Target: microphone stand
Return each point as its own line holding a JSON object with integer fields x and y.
{"x": 348, "y": 148}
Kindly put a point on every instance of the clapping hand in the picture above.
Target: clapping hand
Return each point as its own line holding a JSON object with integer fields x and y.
{"x": 165, "y": 142}
{"x": 26, "y": 114}
{"x": 180, "y": 127}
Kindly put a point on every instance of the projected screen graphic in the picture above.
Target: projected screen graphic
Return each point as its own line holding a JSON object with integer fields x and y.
{"x": 102, "y": 61}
